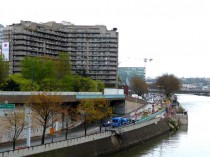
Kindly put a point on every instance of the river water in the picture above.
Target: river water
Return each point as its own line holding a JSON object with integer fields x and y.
{"x": 190, "y": 141}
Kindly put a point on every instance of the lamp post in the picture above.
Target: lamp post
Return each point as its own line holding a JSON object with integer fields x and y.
{"x": 96, "y": 82}
{"x": 32, "y": 84}
{"x": 32, "y": 69}
{"x": 28, "y": 123}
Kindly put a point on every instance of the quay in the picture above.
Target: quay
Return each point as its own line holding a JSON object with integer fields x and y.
{"x": 105, "y": 142}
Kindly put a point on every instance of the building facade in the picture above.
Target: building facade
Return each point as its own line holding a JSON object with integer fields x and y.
{"x": 1, "y": 31}
{"x": 126, "y": 73}
{"x": 93, "y": 49}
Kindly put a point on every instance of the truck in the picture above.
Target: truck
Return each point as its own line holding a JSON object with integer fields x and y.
{"x": 119, "y": 121}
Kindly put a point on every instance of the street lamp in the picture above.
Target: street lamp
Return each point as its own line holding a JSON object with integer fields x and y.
{"x": 28, "y": 128}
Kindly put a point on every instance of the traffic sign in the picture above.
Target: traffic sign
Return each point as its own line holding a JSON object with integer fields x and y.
{"x": 52, "y": 131}
{"x": 7, "y": 106}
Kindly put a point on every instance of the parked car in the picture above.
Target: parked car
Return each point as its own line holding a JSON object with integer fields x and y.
{"x": 119, "y": 121}
{"x": 107, "y": 123}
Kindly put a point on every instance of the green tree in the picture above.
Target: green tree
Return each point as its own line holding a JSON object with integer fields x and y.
{"x": 100, "y": 86}
{"x": 67, "y": 83}
{"x": 86, "y": 84}
{"x": 63, "y": 65}
{"x": 37, "y": 68}
{"x": 76, "y": 85}
{"x": 168, "y": 84}
{"x": 138, "y": 85}
{"x": 46, "y": 108}
{"x": 50, "y": 84}
{"x": 25, "y": 84}
{"x": 4, "y": 70}
{"x": 11, "y": 85}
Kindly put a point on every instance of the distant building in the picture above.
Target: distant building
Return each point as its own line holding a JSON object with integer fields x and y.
{"x": 126, "y": 73}
{"x": 189, "y": 87}
{"x": 93, "y": 49}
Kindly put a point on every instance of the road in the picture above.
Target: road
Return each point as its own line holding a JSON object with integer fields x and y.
{"x": 73, "y": 133}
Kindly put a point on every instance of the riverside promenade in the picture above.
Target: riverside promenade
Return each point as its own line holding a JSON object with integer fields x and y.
{"x": 99, "y": 143}
{"x": 91, "y": 131}
{"x": 59, "y": 136}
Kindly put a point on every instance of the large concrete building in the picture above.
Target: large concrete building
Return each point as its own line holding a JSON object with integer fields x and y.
{"x": 93, "y": 49}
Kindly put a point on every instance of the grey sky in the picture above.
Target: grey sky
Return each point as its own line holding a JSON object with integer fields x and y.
{"x": 175, "y": 33}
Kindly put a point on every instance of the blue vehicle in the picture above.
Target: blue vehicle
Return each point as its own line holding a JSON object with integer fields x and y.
{"x": 119, "y": 121}
{"x": 107, "y": 123}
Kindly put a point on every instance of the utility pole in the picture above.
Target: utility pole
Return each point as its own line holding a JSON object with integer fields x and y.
{"x": 28, "y": 129}
{"x": 32, "y": 84}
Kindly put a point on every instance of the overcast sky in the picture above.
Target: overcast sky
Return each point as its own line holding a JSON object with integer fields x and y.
{"x": 174, "y": 33}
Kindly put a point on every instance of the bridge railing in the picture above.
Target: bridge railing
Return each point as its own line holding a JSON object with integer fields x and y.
{"x": 182, "y": 91}
{"x": 152, "y": 116}
{"x": 55, "y": 145}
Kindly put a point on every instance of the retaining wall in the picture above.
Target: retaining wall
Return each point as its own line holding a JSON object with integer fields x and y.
{"x": 98, "y": 144}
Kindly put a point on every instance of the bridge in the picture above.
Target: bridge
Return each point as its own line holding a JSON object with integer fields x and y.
{"x": 71, "y": 97}
{"x": 187, "y": 91}
{"x": 122, "y": 103}
{"x": 194, "y": 91}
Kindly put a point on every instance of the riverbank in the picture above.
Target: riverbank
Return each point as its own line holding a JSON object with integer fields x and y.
{"x": 99, "y": 144}
{"x": 190, "y": 140}
{"x": 154, "y": 124}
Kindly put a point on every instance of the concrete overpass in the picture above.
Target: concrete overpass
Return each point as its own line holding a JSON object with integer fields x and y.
{"x": 123, "y": 104}
{"x": 22, "y": 97}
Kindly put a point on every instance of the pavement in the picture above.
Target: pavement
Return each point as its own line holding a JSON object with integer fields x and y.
{"x": 75, "y": 132}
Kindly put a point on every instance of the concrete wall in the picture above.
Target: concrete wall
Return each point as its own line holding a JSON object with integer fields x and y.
{"x": 98, "y": 144}
{"x": 128, "y": 106}
{"x": 119, "y": 108}
{"x": 132, "y": 106}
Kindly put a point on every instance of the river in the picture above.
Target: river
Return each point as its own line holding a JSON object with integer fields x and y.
{"x": 190, "y": 141}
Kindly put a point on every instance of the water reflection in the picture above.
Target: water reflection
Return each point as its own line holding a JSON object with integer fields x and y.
{"x": 190, "y": 141}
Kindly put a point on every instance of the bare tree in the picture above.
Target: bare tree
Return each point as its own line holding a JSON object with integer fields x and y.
{"x": 168, "y": 84}
{"x": 16, "y": 123}
{"x": 138, "y": 85}
{"x": 46, "y": 107}
{"x": 70, "y": 114}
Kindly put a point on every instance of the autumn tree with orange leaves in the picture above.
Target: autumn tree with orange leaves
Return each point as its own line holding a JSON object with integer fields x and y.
{"x": 93, "y": 110}
{"x": 46, "y": 109}
{"x": 88, "y": 112}
{"x": 103, "y": 109}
